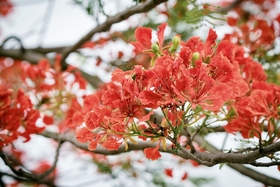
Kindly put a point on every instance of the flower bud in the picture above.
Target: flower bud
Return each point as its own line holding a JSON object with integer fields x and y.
{"x": 175, "y": 43}
{"x": 155, "y": 48}
{"x": 195, "y": 56}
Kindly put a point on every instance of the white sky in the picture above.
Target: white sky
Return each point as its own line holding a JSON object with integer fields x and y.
{"x": 68, "y": 23}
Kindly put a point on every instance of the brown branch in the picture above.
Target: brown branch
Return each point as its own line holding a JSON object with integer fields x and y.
{"x": 36, "y": 54}
{"x": 19, "y": 179}
{"x": 217, "y": 157}
{"x": 267, "y": 180}
{"x": 32, "y": 56}
{"x": 231, "y": 6}
{"x": 47, "y": 50}
{"x": 141, "y": 8}
{"x": 268, "y": 164}
{"x": 211, "y": 158}
{"x": 28, "y": 55}
{"x": 185, "y": 154}
{"x": 214, "y": 157}
{"x": 24, "y": 175}
{"x": 186, "y": 132}
{"x": 99, "y": 150}
{"x": 46, "y": 173}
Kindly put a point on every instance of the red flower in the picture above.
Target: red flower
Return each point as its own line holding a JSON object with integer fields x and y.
{"x": 16, "y": 114}
{"x": 74, "y": 115}
{"x": 250, "y": 70}
{"x": 6, "y": 7}
{"x": 160, "y": 34}
{"x": 168, "y": 172}
{"x": 97, "y": 117}
{"x": 185, "y": 176}
{"x": 152, "y": 153}
{"x": 246, "y": 126}
{"x": 124, "y": 105}
{"x": 144, "y": 36}
{"x": 93, "y": 144}
{"x": 194, "y": 163}
{"x": 264, "y": 100}
{"x": 205, "y": 49}
{"x": 83, "y": 135}
{"x": 43, "y": 167}
{"x": 111, "y": 143}
{"x": 48, "y": 120}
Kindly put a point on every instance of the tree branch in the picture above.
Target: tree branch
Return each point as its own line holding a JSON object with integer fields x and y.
{"x": 28, "y": 55}
{"x": 268, "y": 164}
{"x": 214, "y": 157}
{"x": 231, "y": 6}
{"x": 45, "y": 174}
{"x": 145, "y": 7}
{"x": 23, "y": 175}
{"x": 204, "y": 158}
{"x": 267, "y": 180}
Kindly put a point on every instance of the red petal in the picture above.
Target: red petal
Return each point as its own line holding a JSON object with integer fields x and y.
{"x": 185, "y": 176}
{"x": 146, "y": 117}
{"x": 93, "y": 144}
{"x": 160, "y": 34}
{"x": 168, "y": 172}
{"x": 48, "y": 120}
{"x": 91, "y": 101}
{"x": 144, "y": 36}
{"x": 84, "y": 135}
{"x": 152, "y": 153}
{"x": 111, "y": 144}
{"x": 149, "y": 98}
{"x": 210, "y": 42}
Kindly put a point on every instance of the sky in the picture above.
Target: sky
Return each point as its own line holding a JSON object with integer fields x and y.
{"x": 67, "y": 24}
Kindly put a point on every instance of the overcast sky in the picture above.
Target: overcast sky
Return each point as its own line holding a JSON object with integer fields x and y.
{"x": 67, "y": 24}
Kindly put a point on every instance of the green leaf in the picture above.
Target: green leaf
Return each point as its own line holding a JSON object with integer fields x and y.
{"x": 221, "y": 165}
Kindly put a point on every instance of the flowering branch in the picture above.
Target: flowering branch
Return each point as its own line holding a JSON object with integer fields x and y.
{"x": 204, "y": 158}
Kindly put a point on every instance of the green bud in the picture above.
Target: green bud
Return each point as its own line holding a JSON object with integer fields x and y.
{"x": 195, "y": 56}
{"x": 155, "y": 48}
{"x": 175, "y": 43}
{"x": 207, "y": 60}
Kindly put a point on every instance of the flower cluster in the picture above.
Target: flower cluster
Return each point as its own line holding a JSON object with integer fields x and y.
{"x": 255, "y": 26}
{"x": 17, "y": 117}
{"x": 186, "y": 81}
{"x": 6, "y": 7}
{"x": 45, "y": 86}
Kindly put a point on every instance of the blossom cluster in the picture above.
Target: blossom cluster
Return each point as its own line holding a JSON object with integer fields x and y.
{"x": 186, "y": 81}
{"x": 19, "y": 115}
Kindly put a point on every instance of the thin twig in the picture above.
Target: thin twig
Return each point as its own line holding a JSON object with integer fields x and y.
{"x": 46, "y": 173}
{"x": 141, "y": 8}
{"x": 268, "y": 164}
{"x": 224, "y": 142}
{"x": 231, "y": 6}
{"x": 46, "y": 21}
{"x": 189, "y": 139}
